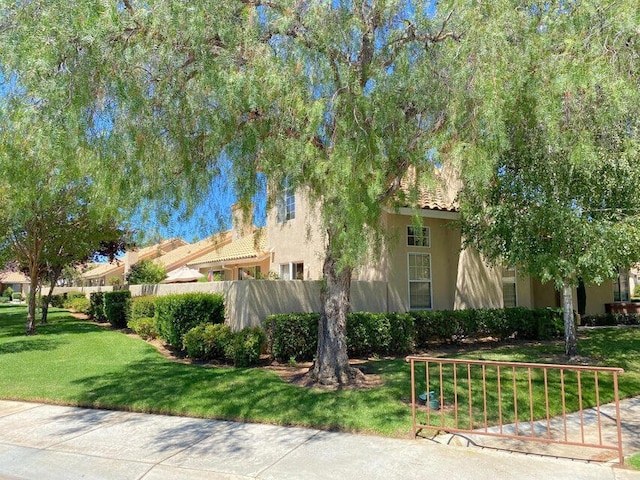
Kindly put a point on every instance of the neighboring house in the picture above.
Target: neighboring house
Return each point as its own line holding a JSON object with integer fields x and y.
{"x": 106, "y": 273}
{"x": 243, "y": 259}
{"x": 184, "y": 254}
{"x": 16, "y": 280}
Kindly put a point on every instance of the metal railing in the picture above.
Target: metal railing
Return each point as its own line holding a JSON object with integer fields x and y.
{"x": 522, "y": 401}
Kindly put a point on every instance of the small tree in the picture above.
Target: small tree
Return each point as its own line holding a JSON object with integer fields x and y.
{"x": 147, "y": 272}
{"x": 550, "y": 112}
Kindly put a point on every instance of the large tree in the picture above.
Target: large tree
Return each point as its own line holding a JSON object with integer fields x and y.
{"x": 551, "y": 115}
{"x": 338, "y": 98}
{"x": 54, "y": 216}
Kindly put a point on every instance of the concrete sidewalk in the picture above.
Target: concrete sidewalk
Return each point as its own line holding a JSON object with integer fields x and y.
{"x": 50, "y": 442}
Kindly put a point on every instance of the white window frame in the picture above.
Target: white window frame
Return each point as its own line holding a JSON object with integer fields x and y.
{"x": 510, "y": 279}
{"x": 426, "y": 237}
{"x": 287, "y": 270}
{"x": 286, "y": 204}
{"x": 418, "y": 281}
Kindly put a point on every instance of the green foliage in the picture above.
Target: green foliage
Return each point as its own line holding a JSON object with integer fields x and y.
{"x": 246, "y": 346}
{"x": 7, "y": 292}
{"x": 70, "y": 297}
{"x": 143, "y": 307}
{"x": 146, "y": 271}
{"x": 78, "y": 304}
{"x": 57, "y": 301}
{"x": 116, "y": 307}
{"x": 292, "y": 336}
{"x": 143, "y": 326}
{"x": 16, "y": 296}
{"x": 4, "y": 299}
{"x": 177, "y": 314}
{"x": 96, "y": 308}
{"x": 208, "y": 341}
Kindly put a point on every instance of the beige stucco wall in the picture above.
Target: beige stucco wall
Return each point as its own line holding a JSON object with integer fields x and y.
{"x": 296, "y": 240}
{"x": 392, "y": 265}
{"x": 478, "y": 285}
{"x": 248, "y": 303}
{"x": 545, "y": 295}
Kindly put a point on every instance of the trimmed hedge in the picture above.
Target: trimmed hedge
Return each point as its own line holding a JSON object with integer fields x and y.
{"x": 142, "y": 307}
{"x": 144, "y": 326}
{"x": 56, "y": 301}
{"x": 294, "y": 336}
{"x": 209, "y": 342}
{"x": 179, "y": 313}
{"x": 96, "y": 306}
{"x": 611, "y": 319}
{"x": 116, "y": 307}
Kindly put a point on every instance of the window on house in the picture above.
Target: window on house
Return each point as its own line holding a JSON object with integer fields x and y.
{"x": 419, "y": 265}
{"x": 621, "y": 287}
{"x": 249, "y": 273}
{"x": 417, "y": 237}
{"x": 509, "y": 290}
{"x": 292, "y": 271}
{"x": 286, "y": 204}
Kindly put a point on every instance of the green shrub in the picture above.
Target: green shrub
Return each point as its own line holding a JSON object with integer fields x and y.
{"x": 402, "y": 333}
{"x": 208, "y": 341}
{"x": 96, "y": 306}
{"x": 246, "y": 346}
{"x": 116, "y": 307}
{"x": 57, "y": 301}
{"x": 78, "y": 304}
{"x": 143, "y": 326}
{"x": 8, "y": 292}
{"x": 368, "y": 334}
{"x": 16, "y": 296}
{"x": 177, "y": 314}
{"x": 4, "y": 299}
{"x": 143, "y": 307}
{"x": 292, "y": 336}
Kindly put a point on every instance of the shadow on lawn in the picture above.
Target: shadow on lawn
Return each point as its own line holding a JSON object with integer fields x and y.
{"x": 29, "y": 344}
{"x": 238, "y": 394}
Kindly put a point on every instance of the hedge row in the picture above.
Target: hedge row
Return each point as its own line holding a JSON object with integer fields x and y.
{"x": 294, "y": 336}
{"x": 177, "y": 314}
{"x": 217, "y": 342}
{"x": 610, "y": 319}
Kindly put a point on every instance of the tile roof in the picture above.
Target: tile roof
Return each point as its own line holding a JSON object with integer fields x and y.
{"x": 249, "y": 246}
{"x": 161, "y": 248}
{"x": 13, "y": 277}
{"x": 181, "y": 255}
{"x": 428, "y": 197}
{"x": 103, "y": 269}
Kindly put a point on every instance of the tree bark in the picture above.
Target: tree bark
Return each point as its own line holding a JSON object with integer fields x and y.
{"x": 331, "y": 366}
{"x": 31, "y": 302}
{"x": 570, "y": 337}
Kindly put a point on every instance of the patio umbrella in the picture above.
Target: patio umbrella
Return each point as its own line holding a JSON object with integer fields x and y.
{"x": 183, "y": 274}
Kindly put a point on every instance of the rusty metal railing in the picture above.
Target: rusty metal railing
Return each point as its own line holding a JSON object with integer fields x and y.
{"x": 522, "y": 401}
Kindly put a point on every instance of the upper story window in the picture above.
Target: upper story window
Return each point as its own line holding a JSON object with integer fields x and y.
{"x": 286, "y": 204}
{"x": 417, "y": 237}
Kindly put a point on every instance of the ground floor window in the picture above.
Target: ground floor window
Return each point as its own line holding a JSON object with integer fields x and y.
{"x": 249, "y": 273}
{"x": 419, "y": 272}
{"x": 621, "y": 287}
{"x": 292, "y": 271}
{"x": 509, "y": 291}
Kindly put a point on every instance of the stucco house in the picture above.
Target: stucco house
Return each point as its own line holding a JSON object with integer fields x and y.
{"x": 106, "y": 273}
{"x": 422, "y": 270}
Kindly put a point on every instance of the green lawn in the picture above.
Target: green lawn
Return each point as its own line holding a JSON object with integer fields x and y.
{"x": 77, "y": 362}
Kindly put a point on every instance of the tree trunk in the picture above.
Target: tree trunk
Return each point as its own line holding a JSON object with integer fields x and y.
{"x": 331, "y": 366}
{"x": 31, "y": 313}
{"x": 45, "y": 304}
{"x": 570, "y": 338}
